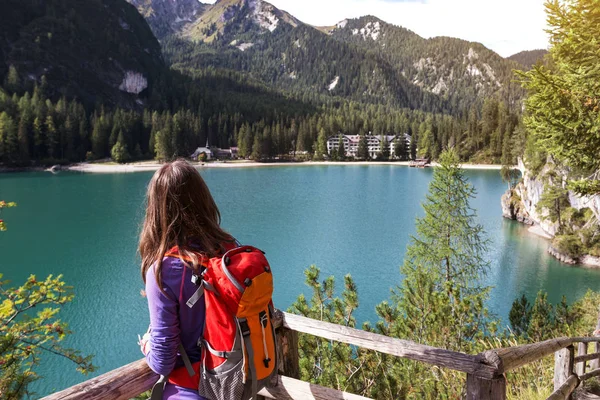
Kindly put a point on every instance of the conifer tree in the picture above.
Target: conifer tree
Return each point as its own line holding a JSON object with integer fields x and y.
{"x": 363, "y": 148}
{"x": 119, "y": 152}
{"x": 563, "y": 107}
{"x": 441, "y": 299}
{"x": 321, "y": 149}
{"x": 384, "y": 153}
{"x": 341, "y": 151}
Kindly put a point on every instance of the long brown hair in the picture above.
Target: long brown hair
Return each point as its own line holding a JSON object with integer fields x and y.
{"x": 180, "y": 211}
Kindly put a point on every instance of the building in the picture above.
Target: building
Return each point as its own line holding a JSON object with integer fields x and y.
{"x": 206, "y": 150}
{"x": 213, "y": 152}
{"x": 373, "y": 142}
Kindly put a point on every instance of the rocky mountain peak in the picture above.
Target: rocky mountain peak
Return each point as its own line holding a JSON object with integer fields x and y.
{"x": 167, "y": 17}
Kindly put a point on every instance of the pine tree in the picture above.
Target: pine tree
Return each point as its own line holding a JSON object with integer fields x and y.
{"x": 400, "y": 148}
{"x": 384, "y": 153}
{"x": 13, "y": 82}
{"x": 564, "y": 98}
{"x": 51, "y": 137}
{"x": 442, "y": 298}
{"x": 321, "y": 149}
{"x": 9, "y": 145}
{"x": 542, "y": 324}
{"x": 341, "y": 150}
{"x": 363, "y": 148}
{"x": 520, "y": 316}
{"x": 119, "y": 151}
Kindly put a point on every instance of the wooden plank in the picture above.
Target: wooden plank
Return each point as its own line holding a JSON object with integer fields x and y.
{"x": 120, "y": 384}
{"x": 475, "y": 365}
{"x": 293, "y": 389}
{"x": 566, "y": 389}
{"x": 586, "y": 357}
{"x": 486, "y": 389}
{"x": 586, "y": 339}
{"x": 563, "y": 367}
{"x": 509, "y": 358}
{"x": 591, "y": 374}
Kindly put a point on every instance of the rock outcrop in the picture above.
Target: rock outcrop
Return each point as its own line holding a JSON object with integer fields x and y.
{"x": 521, "y": 204}
{"x": 134, "y": 82}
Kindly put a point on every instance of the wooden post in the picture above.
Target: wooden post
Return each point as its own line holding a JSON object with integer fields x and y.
{"x": 595, "y": 364}
{"x": 563, "y": 366}
{"x": 581, "y": 351}
{"x": 287, "y": 350}
{"x": 486, "y": 389}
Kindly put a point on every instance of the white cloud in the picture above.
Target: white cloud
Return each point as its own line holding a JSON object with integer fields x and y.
{"x": 506, "y": 27}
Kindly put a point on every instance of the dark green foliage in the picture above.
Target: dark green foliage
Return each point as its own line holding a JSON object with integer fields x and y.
{"x": 384, "y": 154}
{"x": 363, "y": 148}
{"x": 563, "y": 106}
{"x": 341, "y": 153}
{"x": 401, "y": 148}
{"x": 82, "y": 48}
{"x": 529, "y": 58}
{"x": 119, "y": 152}
{"x": 542, "y": 322}
{"x": 553, "y": 202}
{"x": 520, "y": 315}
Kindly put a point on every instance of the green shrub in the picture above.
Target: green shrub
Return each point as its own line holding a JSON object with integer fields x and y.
{"x": 569, "y": 244}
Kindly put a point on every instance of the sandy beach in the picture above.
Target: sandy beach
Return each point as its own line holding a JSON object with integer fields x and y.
{"x": 152, "y": 165}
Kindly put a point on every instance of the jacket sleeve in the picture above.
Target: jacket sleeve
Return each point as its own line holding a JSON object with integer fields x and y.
{"x": 164, "y": 326}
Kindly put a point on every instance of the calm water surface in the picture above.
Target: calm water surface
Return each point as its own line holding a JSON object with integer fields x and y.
{"x": 352, "y": 219}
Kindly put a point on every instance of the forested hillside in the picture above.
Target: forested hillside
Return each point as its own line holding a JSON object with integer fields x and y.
{"x": 528, "y": 58}
{"x": 101, "y": 52}
{"x": 242, "y": 74}
{"x": 461, "y": 72}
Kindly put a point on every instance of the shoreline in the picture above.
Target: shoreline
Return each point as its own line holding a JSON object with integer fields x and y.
{"x": 145, "y": 166}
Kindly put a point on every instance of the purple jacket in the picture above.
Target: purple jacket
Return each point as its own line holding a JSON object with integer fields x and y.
{"x": 172, "y": 321}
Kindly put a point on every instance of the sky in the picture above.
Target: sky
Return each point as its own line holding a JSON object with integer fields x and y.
{"x": 505, "y": 26}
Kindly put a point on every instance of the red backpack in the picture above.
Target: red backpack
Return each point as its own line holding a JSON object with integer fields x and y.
{"x": 238, "y": 345}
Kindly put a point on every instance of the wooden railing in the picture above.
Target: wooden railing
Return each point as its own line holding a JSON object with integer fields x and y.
{"x": 485, "y": 372}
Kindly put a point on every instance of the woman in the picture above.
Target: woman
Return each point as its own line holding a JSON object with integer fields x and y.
{"x": 180, "y": 212}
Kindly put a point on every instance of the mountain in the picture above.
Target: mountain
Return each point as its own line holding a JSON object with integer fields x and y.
{"x": 528, "y": 58}
{"x": 169, "y": 17}
{"x": 455, "y": 69}
{"x": 364, "y": 59}
{"x": 271, "y": 46}
{"x": 254, "y": 15}
{"x": 99, "y": 51}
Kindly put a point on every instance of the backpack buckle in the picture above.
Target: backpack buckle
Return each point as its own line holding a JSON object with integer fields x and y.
{"x": 244, "y": 328}
{"x": 196, "y": 280}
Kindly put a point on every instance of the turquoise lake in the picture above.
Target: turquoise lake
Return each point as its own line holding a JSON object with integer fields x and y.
{"x": 344, "y": 219}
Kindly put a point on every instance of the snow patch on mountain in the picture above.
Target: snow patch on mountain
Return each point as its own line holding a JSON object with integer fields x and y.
{"x": 334, "y": 83}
